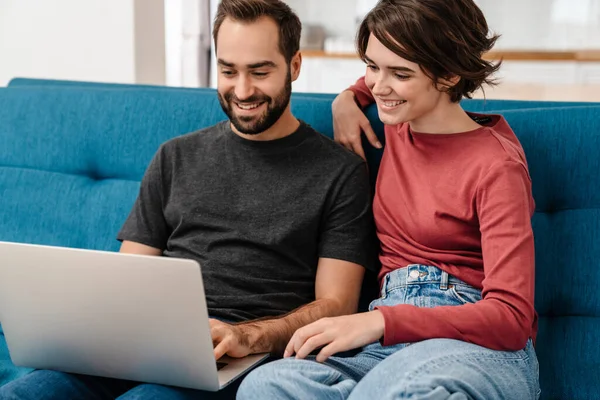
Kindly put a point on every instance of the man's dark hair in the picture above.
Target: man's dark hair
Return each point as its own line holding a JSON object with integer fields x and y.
{"x": 248, "y": 11}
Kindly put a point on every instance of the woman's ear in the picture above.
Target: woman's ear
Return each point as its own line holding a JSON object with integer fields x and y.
{"x": 444, "y": 84}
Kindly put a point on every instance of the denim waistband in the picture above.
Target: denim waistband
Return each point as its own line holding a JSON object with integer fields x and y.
{"x": 415, "y": 274}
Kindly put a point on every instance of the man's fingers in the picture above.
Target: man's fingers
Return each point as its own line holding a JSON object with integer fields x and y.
{"x": 221, "y": 349}
{"x": 218, "y": 333}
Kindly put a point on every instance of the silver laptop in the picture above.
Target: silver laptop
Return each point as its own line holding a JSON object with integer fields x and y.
{"x": 139, "y": 318}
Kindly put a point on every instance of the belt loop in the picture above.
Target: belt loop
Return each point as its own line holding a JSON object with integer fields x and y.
{"x": 385, "y": 284}
{"x": 444, "y": 281}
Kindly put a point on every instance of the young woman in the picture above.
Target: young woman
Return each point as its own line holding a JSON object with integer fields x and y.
{"x": 453, "y": 207}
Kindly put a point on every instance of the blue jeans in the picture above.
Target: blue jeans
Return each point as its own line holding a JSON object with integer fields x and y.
{"x": 435, "y": 369}
{"x": 54, "y": 385}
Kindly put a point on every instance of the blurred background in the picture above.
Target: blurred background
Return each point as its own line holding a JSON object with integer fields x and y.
{"x": 550, "y": 48}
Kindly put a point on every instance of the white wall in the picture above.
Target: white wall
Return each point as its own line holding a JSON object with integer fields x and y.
{"x": 544, "y": 24}
{"x": 93, "y": 40}
{"x": 524, "y": 24}
{"x": 213, "y": 63}
{"x": 149, "y": 41}
{"x": 337, "y": 16}
{"x": 173, "y": 38}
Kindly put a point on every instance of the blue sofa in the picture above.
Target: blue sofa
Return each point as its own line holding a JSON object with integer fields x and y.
{"x": 72, "y": 155}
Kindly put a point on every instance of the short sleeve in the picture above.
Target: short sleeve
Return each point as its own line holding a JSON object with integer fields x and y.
{"x": 146, "y": 222}
{"x": 348, "y": 230}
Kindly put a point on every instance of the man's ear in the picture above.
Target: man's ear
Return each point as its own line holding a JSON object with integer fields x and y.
{"x": 295, "y": 65}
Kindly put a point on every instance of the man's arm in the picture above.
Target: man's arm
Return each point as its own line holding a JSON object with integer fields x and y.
{"x": 146, "y": 230}
{"x": 138, "y": 248}
{"x": 337, "y": 290}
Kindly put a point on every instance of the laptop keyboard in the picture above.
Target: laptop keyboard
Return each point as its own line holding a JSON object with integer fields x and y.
{"x": 220, "y": 365}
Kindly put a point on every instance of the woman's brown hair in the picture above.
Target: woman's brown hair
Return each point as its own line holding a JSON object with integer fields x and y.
{"x": 446, "y": 38}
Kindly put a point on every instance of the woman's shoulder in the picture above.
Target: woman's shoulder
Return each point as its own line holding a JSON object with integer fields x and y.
{"x": 501, "y": 142}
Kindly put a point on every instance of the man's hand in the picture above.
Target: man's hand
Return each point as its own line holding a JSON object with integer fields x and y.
{"x": 336, "y": 334}
{"x": 229, "y": 339}
{"x": 337, "y": 288}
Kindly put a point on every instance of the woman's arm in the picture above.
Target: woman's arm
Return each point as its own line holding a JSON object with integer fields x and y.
{"x": 503, "y": 319}
{"x": 349, "y": 120}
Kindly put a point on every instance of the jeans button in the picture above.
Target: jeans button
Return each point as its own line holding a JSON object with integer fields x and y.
{"x": 414, "y": 274}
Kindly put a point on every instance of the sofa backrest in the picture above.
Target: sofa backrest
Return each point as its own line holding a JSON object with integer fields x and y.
{"x": 475, "y": 105}
{"x": 71, "y": 159}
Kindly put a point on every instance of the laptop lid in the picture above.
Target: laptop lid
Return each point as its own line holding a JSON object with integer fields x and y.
{"x": 133, "y": 317}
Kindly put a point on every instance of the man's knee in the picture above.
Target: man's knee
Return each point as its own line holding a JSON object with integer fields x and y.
{"x": 36, "y": 385}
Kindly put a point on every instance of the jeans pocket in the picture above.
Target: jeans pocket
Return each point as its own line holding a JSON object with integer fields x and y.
{"x": 375, "y": 303}
{"x": 465, "y": 294}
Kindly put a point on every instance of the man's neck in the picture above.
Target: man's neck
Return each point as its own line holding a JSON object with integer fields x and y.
{"x": 285, "y": 126}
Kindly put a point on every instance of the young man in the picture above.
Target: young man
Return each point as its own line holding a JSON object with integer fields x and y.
{"x": 277, "y": 214}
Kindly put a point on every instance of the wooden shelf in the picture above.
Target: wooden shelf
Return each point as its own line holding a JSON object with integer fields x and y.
{"x": 512, "y": 55}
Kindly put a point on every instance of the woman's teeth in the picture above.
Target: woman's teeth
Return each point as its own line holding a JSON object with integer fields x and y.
{"x": 393, "y": 103}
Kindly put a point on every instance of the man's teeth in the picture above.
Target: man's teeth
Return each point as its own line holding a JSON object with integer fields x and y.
{"x": 393, "y": 103}
{"x": 248, "y": 106}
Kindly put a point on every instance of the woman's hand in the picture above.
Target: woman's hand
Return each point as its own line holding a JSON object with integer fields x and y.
{"x": 336, "y": 334}
{"x": 348, "y": 121}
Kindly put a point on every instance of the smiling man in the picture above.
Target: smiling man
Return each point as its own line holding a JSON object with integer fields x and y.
{"x": 278, "y": 215}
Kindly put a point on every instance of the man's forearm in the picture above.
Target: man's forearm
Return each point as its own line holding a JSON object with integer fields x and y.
{"x": 272, "y": 335}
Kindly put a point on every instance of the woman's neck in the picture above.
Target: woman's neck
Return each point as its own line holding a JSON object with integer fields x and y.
{"x": 444, "y": 119}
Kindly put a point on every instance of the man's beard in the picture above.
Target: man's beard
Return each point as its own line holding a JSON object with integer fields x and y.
{"x": 257, "y": 124}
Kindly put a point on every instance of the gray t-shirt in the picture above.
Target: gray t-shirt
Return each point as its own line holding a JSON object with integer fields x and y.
{"x": 256, "y": 215}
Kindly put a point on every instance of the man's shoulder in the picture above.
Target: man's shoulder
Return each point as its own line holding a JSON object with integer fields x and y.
{"x": 328, "y": 151}
{"x": 193, "y": 139}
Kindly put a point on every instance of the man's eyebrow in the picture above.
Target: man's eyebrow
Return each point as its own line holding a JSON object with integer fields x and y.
{"x": 225, "y": 63}
{"x": 261, "y": 64}
{"x": 403, "y": 69}
{"x": 256, "y": 65}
